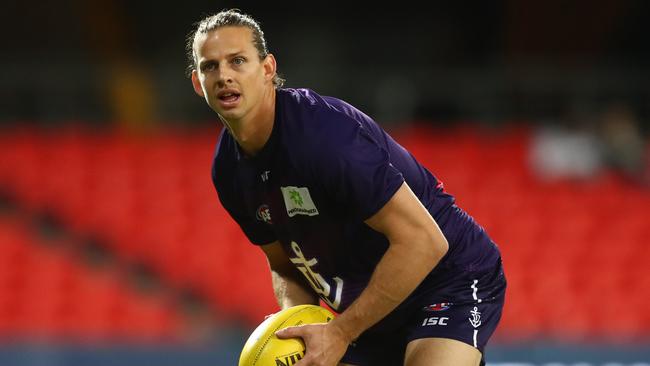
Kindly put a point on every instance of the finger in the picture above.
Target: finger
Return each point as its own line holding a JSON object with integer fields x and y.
{"x": 290, "y": 332}
{"x": 304, "y": 362}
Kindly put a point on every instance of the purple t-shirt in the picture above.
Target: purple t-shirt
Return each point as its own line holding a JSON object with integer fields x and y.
{"x": 325, "y": 169}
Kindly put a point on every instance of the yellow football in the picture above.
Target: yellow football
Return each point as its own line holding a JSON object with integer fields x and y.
{"x": 263, "y": 348}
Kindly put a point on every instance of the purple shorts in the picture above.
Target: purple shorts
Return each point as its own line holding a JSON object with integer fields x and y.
{"x": 466, "y": 309}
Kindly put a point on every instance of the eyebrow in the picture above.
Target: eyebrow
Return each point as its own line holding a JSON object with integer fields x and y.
{"x": 205, "y": 62}
{"x": 228, "y": 56}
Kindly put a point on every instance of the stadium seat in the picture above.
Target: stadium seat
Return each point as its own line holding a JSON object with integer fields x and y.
{"x": 569, "y": 247}
{"x": 47, "y": 293}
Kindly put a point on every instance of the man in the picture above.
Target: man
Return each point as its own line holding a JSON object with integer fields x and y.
{"x": 344, "y": 214}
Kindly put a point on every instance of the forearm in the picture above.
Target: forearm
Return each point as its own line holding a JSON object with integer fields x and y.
{"x": 399, "y": 272}
{"x": 290, "y": 291}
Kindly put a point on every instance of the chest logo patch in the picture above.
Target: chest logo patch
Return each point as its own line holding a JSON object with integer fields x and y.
{"x": 298, "y": 201}
{"x": 264, "y": 214}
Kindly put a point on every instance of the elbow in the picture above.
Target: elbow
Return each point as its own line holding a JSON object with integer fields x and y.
{"x": 440, "y": 246}
{"x": 431, "y": 245}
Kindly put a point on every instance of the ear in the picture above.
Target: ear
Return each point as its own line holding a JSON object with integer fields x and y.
{"x": 270, "y": 67}
{"x": 196, "y": 83}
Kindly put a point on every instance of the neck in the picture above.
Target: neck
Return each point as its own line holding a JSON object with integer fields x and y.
{"x": 254, "y": 130}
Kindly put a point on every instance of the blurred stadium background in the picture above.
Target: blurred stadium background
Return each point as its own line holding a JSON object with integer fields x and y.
{"x": 115, "y": 250}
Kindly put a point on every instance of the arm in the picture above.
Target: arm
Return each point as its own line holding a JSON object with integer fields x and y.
{"x": 416, "y": 247}
{"x": 288, "y": 286}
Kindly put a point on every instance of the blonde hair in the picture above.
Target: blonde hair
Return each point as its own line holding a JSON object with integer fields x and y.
{"x": 229, "y": 18}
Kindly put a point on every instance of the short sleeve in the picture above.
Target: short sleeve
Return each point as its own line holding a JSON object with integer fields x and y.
{"x": 356, "y": 171}
{"x": 257, "y": 231}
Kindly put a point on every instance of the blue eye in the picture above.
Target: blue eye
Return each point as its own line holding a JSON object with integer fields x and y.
{"x": 238, "y": 60}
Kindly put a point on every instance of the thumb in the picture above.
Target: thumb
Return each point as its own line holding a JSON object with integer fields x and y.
{"x": 289, "y": 332}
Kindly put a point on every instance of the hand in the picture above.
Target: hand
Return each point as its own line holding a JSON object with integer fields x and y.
{"x": 325, "y": 343}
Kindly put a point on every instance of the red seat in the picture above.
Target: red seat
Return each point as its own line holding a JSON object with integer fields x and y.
{"x": 567, "y": 246}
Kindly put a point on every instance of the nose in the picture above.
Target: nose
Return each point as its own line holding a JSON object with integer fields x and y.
{"x": 225, "y": 78}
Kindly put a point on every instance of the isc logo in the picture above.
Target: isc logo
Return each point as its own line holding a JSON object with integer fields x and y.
{"x": 435, "y": 321}
{"x": 289, "y": 360}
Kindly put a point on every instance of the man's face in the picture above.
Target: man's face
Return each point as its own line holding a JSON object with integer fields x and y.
{"x": 229, "y": 74}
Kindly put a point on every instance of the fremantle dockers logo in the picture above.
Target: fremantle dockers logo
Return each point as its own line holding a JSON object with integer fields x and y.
{"x": 264, "y": 214}
{"x": 475, "y": 320}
